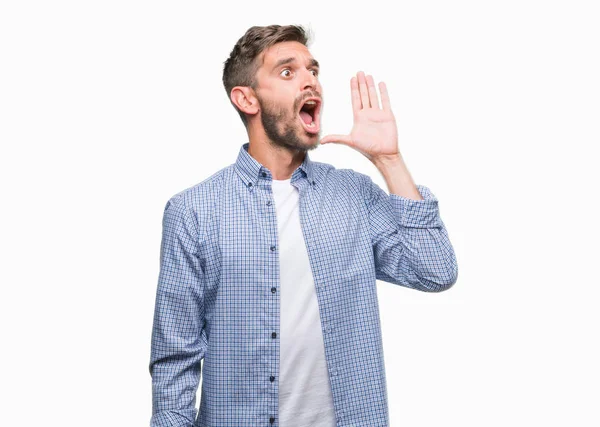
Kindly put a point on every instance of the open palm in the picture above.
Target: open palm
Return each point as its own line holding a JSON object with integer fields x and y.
{"x": 374, "y": 132}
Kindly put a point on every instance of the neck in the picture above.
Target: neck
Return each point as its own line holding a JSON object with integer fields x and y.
{"x": 281, "y": 161}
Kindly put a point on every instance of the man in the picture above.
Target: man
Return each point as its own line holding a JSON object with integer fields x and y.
{"x": 268, "y": 267}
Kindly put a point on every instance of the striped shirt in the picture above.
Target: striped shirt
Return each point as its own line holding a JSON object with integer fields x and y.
{"x": 217, "y": 298}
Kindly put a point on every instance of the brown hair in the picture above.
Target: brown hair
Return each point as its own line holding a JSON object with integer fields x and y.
{"x": 241, "y": 66}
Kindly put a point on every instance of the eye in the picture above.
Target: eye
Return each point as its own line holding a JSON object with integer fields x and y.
{"x": 316, "y": 72}
{"x": 283, "y": 71}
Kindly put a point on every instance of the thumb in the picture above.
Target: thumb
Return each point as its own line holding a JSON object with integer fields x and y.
{"x": 344, "y": 139}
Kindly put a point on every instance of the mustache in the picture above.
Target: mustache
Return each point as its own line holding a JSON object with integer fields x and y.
{"x": 305, "y": 97}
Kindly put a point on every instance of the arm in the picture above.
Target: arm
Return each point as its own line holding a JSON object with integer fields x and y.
{"x": 410, "y": 242}
{"x": 178, "y": 345}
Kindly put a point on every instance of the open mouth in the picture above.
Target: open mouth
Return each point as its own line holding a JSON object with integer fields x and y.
{"x": 309, "y": 115}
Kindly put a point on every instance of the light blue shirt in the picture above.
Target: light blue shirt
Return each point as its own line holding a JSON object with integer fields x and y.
{"x": 217, "y": 296}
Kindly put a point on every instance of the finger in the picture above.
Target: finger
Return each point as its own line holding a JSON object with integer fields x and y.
{"x": 364, "y": 92}
{"x": 338, "y": 139}
{"x": 372, "y": 92}
{"x": 356, "y": 102}
{"x": 385, "y": 99}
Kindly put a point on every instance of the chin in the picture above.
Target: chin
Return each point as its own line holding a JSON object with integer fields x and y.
{"x": 311, "y": 138}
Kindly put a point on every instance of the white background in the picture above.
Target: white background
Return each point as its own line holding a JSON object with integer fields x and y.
{"x": 109, "y": 108}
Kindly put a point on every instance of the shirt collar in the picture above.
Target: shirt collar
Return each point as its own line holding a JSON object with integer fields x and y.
{"x": 250, "y": 170}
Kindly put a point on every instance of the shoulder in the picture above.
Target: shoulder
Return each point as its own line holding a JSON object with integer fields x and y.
{"x": 200, "y": 194}
{"x": 194, "y": 205}
{"x": 357, "y": 182}
{"x": 344, "y": 177}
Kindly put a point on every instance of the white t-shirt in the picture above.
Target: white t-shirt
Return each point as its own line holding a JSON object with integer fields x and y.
{"x": 305, "y": 398}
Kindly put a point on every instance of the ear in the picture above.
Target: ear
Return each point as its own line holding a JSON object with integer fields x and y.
{"x": 244, "y": 98}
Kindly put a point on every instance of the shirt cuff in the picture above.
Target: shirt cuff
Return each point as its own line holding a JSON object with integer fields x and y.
{"x": 417, "y": 213}
{"x": 174, "y": 418}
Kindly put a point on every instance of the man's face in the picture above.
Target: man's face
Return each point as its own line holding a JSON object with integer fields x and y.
{"x": 287, "y": 78}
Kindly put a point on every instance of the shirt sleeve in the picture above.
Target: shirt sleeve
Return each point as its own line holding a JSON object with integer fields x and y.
{"x": 410, "y": 241}
{"x": 178, "y": 342}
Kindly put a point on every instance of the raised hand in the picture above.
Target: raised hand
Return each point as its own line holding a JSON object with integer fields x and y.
{"x": 374, "y": 133}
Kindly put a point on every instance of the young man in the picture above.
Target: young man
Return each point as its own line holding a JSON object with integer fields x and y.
{"x": 268, "y": 267}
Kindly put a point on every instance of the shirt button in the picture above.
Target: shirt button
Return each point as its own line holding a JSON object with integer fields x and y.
{"x": 269, "y": 203}
{"x": 274, "y": 335}
{"x": 272, "y": 378}
{"x": 264, "y": 174}
{"x": 273, "y": 247}
{"x": 313, "y": 183}
{"x": 271, "y": 420}
{"x": 249, "y": 184}
{"x": 273, "y": 289}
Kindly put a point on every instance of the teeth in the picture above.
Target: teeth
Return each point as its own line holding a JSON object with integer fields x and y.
{"x": 312, "y": 125}
{"x": 311, "y": 102}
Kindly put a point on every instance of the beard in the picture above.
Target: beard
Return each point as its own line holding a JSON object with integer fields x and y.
{"x": 271, "y": 117}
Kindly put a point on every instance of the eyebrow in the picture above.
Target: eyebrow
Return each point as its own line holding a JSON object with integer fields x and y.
{"x": 313, "y": 62}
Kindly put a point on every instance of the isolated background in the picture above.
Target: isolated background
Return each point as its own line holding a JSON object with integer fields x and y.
{"x": 107, "y": 109}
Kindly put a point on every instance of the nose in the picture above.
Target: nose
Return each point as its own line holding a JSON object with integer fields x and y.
{"x": 310, "y": 81}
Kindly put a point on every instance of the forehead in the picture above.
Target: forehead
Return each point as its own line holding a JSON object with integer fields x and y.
{"x": 285, "y": 50}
